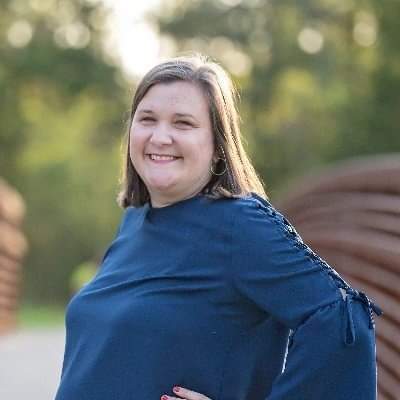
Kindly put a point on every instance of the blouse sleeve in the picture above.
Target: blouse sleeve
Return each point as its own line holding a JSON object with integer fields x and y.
{"x": 331, "y": 349}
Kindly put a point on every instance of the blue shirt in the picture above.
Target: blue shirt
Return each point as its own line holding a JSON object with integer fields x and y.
{"x": 221, "y": 297}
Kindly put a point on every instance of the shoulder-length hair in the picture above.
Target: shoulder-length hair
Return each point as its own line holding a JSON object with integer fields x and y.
{"x": 240, "y": 177}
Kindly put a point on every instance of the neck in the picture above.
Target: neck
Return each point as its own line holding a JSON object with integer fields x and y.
{"x": 158, "y": 202}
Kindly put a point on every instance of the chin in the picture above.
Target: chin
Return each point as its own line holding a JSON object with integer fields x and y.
{"x": 161, "y": 185}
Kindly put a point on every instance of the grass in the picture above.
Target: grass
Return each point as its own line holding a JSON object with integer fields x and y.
{"x": 40, "y": 316}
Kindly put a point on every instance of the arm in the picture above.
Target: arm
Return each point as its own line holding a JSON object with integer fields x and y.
{"x": 331, "y": 354}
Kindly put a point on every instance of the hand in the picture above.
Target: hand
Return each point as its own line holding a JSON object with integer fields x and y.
{"x": 185, "y": 394}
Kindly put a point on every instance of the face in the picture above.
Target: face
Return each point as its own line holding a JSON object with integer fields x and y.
{"x": 171, "y": 141}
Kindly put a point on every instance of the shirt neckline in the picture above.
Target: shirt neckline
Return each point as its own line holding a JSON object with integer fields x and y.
{"x": 176, "y": 204}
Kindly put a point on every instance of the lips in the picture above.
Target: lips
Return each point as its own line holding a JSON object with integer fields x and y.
{"x": 164, "y": 158}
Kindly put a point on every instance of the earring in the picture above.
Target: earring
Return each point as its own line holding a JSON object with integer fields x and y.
{"x": 219, "y": 158}
{"x": 220, "y": 173}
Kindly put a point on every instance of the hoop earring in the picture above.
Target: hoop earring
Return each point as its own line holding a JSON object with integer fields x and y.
{"x": 220, "y": 173}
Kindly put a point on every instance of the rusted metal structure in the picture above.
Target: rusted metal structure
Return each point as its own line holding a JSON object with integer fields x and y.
{"x": 13, "y": 246}
{"x": 350, "y": 215}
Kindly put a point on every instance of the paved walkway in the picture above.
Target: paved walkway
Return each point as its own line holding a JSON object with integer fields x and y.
{"x": 30, "y": 363}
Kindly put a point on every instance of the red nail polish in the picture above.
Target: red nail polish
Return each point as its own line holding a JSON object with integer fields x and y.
{"x": 176, "y": 388}
{"x": 163, "y": 397}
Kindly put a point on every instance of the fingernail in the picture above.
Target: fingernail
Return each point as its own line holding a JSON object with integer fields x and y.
{"x": 164, "y": 397}
{"x": 176, "y": 389}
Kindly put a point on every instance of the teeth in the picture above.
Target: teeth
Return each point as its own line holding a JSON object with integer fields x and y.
{"x": 158, "y": 157}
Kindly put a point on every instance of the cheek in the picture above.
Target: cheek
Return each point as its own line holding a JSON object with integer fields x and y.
{"x": 207, "y": 148}
{"x": 201, "y": 146}
{"x": 136, "y": 148}
{"x": 200, "y": 156}
{"x": 137, "y": 139}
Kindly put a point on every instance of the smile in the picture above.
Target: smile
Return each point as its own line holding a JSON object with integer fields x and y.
{"x": 162, "y": 157}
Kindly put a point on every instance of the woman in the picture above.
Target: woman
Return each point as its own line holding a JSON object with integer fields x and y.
{"x": 207, "y": 291}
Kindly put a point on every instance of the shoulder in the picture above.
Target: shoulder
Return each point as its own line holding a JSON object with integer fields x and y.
{"x": 230, "y": 211}
{"x": 254, "y": 209}
{"x": 239, "y": 205}
{"x": 131, "y": 217}
{"x": 241, "y": 209}
{"x": 256, "y": 221}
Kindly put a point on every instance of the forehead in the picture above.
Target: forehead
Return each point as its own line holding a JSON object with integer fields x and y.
{"x": 179, "y": 96}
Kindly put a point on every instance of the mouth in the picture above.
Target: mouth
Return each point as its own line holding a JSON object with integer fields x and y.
{"x": 162, "y": 158}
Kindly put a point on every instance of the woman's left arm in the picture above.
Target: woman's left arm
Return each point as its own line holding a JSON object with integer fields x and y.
{"x": 331, "y": 352}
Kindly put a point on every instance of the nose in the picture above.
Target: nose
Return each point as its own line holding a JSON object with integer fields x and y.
{"x": 160, "y": 135}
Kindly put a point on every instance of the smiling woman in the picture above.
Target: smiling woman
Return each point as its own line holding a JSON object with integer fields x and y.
{"x": 185, "y": 107}
{"x": 170, "y": 125}
{"x": 207, "y": 291}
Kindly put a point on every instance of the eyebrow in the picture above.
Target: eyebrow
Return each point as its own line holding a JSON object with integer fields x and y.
{"x": 180, "y": 115}
{"x": 146, "y": 111}
{"x": 183, "y": 115}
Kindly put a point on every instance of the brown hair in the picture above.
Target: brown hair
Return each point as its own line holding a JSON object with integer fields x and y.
{"x": 240, "y": 177}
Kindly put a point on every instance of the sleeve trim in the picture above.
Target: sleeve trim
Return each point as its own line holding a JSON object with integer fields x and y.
{"x": 284, "y": 225}
{"x": 349, "y": 294}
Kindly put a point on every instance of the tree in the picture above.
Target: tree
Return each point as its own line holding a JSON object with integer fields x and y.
{"x": 62, "y": 119}
{"x": 314, "y": 75}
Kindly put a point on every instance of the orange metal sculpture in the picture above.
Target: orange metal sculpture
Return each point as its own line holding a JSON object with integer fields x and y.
{"x": 350, "y": 215}
{"x": 13, "y": 246}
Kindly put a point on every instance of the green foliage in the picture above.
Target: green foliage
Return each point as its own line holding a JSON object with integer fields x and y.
{"x": 40, "y": 315}
{"x": 319, "y": 78}
{"x": 62, "y": 122}
{"x": 82, "y": 274}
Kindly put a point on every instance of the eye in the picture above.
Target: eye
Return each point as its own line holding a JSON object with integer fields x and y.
{"x": 147, "y": 119}
{"x": 183, "y": 123}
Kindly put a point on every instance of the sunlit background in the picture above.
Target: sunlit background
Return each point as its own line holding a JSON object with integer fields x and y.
{"x": 319, "y": 83}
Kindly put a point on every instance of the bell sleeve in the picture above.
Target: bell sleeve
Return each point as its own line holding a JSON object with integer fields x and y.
{"x": 331, "y": 348}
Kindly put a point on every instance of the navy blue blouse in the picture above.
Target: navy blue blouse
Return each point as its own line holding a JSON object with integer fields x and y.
{"x": 221, "y": 297}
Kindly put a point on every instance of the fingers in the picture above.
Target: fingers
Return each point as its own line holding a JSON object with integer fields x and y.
{"x": 185, "y": 394}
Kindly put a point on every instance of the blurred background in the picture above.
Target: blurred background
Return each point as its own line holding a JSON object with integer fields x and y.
{"x": 319, "y": 83}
